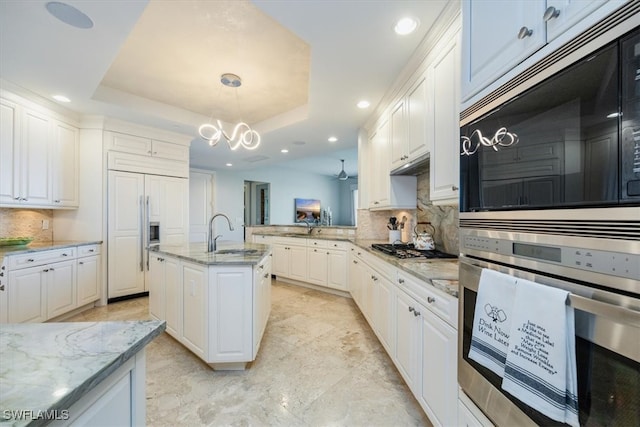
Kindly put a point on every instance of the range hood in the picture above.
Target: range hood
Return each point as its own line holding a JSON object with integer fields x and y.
{"x": 415, "y": 167}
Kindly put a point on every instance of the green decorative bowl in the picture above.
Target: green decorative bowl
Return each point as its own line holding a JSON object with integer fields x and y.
{"x": 15, "y": 241}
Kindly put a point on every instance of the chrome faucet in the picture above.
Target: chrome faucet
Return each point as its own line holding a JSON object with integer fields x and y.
{"x": 309, "y": 228}
{"x": 212, "y": 242}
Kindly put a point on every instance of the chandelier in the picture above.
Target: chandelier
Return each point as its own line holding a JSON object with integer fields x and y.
{"x": 242, "y": 135}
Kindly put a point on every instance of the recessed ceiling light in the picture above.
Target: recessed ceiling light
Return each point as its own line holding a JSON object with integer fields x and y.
{"x": 406, "y": 26}
{"x": 61, "y": 98}
{"x": 69, "y": 15}
{"x": 613, "y": 115}
{"x": 363, "y": 104}
{"x": 229, "y": 164}
{"x": 284, "y": 150}
{"x": 332, "y": 139}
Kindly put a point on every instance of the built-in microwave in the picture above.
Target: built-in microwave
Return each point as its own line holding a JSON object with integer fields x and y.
{"x": 571, "y": 140}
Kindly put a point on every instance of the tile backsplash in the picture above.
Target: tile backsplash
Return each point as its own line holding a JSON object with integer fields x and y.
{"x": 26, "y": 223}
{"x": 444, "y": 218}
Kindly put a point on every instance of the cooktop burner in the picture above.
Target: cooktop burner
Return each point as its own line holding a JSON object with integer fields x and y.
{"x": 404, "y": 251}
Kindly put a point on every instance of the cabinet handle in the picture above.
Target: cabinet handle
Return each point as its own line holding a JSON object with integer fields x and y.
{"x": 266, "y": 275}
{"x": 30, "y": 260}
{"x": 315, "y": 250}
{"x": 416, "y": 313}
{"x": 25, "y": 199}
{"x": 1, "y": 287}
{"x": 400, "y": 280}
{"x": 376, "y": 203}
{"x": 46, "y": 270}
{"x": 154, "y": 153}
{"x": 327, "y": 253}
{"x": 17, "y": 198}
{"x": 411, "y": 309}
{"x": 80, "y": 263}
{"x": 56, "y": 201}
{"x": 550, "y": 13}
{"x": 65, "y": 254}
{"x": 355, "y": 262}
{"x": 335, "y": 245}
{"x": 261, "y": 267}
{"x": 454, "y": 187}
{"x": 90, "y": 250}
{"x": 431, "y": 300}
{"x": 524, "y": 33}
{"x": 52, "y": 269}
{"x": 149, "y": 152}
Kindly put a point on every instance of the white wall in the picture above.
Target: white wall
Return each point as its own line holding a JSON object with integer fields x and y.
{"x": 286, "y": 185}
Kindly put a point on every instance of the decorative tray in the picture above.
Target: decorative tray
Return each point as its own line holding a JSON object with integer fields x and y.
{"x": 15, "y": 241}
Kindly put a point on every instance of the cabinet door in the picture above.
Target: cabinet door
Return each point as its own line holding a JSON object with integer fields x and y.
{"x": 281, "y": 260}
{"x": 35, "y": 177}
{"x": 61, "y": 288}
{"x": 439, "y": 369}
{"x": 337, "y": 270}
{"x": 9, "y": 152}
{"x": 88, "y": 280}
{"x": 418, "y": 109}
{"x": 195, "y": 309}
{"x": 65, "y": 165}
{"x": 231, "y": 338}
{"x": 174, "y": 222}
{"x": 129, "y": 143}
{"x": 490, "y": 39}
{"x": 167, "y": 150}
{"x": 398, "y": 137}
{"x": 570, "y": 12}
{"x": 298, "y": 263}
{"x": 27, "y": 295}
{"x": 355, "y": 279}
{"x": 384, "y": 314}
{"x": 408, "y": 340}
{"x": 200, "y": 205}
{"x": 445, "y": 158}
{"x": 156, "y": 287}
{"x": 172, "y": 296}
{"x": 380, "y": 182}
{"x": 317, "y": 266}
{"x": 125, "y": 241}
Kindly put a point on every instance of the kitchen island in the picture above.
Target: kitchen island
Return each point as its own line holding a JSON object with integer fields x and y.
{"x": 60, "y": 373}
{"x": 217, "y": 303}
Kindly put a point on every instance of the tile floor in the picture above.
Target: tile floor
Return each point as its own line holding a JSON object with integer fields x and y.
{"x": 319, "y": 365}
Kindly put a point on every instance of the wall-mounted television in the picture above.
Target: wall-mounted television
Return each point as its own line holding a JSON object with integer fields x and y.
{"x": 307, "y": 209}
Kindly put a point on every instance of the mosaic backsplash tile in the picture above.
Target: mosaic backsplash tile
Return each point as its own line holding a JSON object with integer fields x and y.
{"x": 26, "y": 223}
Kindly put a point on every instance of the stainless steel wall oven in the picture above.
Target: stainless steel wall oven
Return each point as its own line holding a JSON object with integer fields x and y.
{"x": 550, "y": 192}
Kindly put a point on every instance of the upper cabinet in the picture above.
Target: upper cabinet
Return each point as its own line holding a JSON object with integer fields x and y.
{"x": 499, "y": 35}
{"x": 39, "y": 158}
{"x": 443, "y": 76}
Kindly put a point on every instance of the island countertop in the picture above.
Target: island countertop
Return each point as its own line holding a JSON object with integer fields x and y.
{"x": 50, "y": 366}
{"x": 227, "y": 253}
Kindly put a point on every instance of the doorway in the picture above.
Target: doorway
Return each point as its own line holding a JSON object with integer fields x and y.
{"x": 256, "y": 202}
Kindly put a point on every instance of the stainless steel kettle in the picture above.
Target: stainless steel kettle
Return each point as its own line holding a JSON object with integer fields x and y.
{"x": 424, "y": 240}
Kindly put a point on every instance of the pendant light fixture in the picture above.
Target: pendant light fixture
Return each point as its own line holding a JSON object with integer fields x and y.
{"x": 342, "y": 176}
{"x": 242, "y": 134}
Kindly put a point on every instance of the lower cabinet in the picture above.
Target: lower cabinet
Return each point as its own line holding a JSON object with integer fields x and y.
{"x": 218, "y": 312}
{"x": 88, "y": 278}
{"x": 27, "y": 296}
{"x": 327, "y": 267}
{"x": 408, "y": 340}
{"x": 61, "y": 287}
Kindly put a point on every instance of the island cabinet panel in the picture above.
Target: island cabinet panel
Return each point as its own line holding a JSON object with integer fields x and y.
{"x": 231, "y": 301}
{"x": 195, "y": 314}
{"x": 173, "y": 296}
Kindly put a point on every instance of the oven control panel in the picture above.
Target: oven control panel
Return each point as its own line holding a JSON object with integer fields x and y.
{"x": 605, "y": 262}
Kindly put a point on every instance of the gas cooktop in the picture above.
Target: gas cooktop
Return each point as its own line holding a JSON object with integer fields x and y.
{"x": 404, "y": 251}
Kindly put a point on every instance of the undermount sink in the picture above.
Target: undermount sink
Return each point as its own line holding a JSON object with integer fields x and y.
{"x": 236, "y": 251}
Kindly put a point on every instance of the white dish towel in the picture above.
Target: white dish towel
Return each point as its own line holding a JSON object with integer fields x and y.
{"x": 492, "y": 320}
{"x": 541, "y": 361}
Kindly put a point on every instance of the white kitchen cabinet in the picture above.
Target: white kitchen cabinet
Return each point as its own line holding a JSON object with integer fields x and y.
{"x": 88, "y": 277}
{"x": 439, "y": 369}
{"x": 146, "y": 147}
{"x": 157, "y": 288}
{"x": 65, "y": 165}
{"x": 327, "y": 267}
{"x": 27, "y": 295}
{"x": 409, "y": 137}
{"x": 201, "y": 186}
{"x": 61, "y": 287}
{"x": 38, "y": 159}
{"x": 290, "y": 258}
{"x": 337, "y": 269}
{"x": 408, "y": 339}
{"x": 526, "y": 27}
{"x": 443, "y": 77}
{"x": 357, "y": 274}
{"x": 261, "y": 300}
{"x": 380, "y": 149}
{"x": 317, "y": 266}
{"x": 384, "y": 313}
{"x": 195, "y": 302}
{"x": 165, "y": 296}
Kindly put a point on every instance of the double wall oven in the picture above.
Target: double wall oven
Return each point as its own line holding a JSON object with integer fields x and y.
{"x": 550, "y": 192}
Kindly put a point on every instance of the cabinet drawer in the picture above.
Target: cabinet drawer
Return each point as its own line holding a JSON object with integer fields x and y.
{"x": 171, "y": 151}
{"x": 291, "y": 241}
{"x": 40, "y": 258}
{"x": 441, "y": 304}
{"x": 262, "y": 239}
{"x": 88, "y": 250}
{"x": 338, "y": 245}
{"x": 129, "y": 144}
{"x": 316, "y": 243}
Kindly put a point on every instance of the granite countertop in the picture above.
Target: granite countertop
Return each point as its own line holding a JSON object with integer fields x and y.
{"x": 440, "y": 273}
{"x": 43, "y": 246}
{"x": 304, "y": 235}
{"x": 197, "y": 252}
{"x": 49, "y": 366}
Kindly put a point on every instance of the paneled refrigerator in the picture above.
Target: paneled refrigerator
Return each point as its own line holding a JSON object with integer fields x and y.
{"x": 143, "y": 209}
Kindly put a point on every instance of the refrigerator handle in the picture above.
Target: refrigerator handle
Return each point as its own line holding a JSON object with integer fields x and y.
{"x": 146, "y": 227}
{"x": 141, "y": 233}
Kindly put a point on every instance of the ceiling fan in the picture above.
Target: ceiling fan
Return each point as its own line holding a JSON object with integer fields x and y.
{"x": 342, "y": 176}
